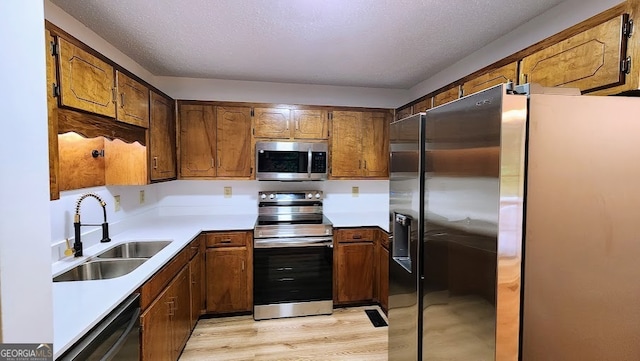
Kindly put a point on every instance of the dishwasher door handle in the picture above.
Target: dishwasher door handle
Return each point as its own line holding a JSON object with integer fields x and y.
{"x": 113, "y": 351}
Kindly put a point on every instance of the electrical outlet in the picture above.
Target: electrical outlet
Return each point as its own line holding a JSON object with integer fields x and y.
{"x": 116, "y": 203}
{"x": 227, "y": 192}
{"x": 141, "y": 196}
{"x": 355, "y": 191}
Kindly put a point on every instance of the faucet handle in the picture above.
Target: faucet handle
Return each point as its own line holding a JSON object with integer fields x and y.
{"x": 69, "y": 251}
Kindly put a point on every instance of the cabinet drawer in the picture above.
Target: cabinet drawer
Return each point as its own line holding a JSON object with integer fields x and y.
{"x": 236, "y": 239}
{"x": 355, "y": 235}
{"x": 194, "y": 247}
{"x": 384, "y": 240}
{"x": 152, "y": 288}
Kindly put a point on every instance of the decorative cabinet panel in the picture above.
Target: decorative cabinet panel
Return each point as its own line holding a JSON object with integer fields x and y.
{"x": 359, "y": 145}
{"x": 281, "y": 123}
{"x": 446, "y": 96}
{"x": 229, "y": 273}
{"x": 132, "y": 101}
{"x": 403, "y": 113}
{"x": 505, "y": 74}
{"x": 162, "y": 139}
{"x": 272, "y": 123}
{"x": 86, "y": 82}
{"x": 233, "y": 142}
{"x": 197, "y": 141}
{"x": 590, "y": 60}
{"x": 310, "y": 124}
{"x": 422, "y": 106}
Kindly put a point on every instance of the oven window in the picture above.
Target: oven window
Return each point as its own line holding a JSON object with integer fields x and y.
{"x": 294, "y": 274}
{"x": 282, "y": 161}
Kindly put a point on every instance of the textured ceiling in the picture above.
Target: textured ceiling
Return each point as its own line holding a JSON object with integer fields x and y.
{"x": 379, "y": 43}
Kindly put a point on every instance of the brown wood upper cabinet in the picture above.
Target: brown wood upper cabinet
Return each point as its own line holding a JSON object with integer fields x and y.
{"x": 359, "y": 144}
{"x": 591, "y": 60}
{"x": 52, "y": 118}
{"x": 281, "y": 123}
{"x": 422, "y": 106}
{"x": 403, "y": 113}
{"x": 86, "y": 82}
{"x": 132, "y": 101}
{"x": 215, "y": 141}
{"x": 162, "y": 138}
{"x": 446, "y": 96}
{"x": 504, "y": 74}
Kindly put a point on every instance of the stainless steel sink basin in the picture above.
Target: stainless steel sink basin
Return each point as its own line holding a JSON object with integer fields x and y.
{"x": 137, "y": 249}
{"x": 100, "y": 269}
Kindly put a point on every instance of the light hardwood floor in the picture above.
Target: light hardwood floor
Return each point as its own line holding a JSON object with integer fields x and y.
{"x": 346, "y": 335}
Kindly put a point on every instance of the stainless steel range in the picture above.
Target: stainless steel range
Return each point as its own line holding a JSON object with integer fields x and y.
{"x": 293, "y": 256}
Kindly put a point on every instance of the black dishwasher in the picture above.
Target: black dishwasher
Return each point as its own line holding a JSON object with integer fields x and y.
{"x": 116, "y": 337}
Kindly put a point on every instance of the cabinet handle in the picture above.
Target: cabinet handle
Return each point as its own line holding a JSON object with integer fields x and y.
{"x": 365, "y": 164}
{"x": 524, "y": 78}
{"x": 219, "y": 162}
{"x": 114, "y": 98}
{"x": 121, "y": 100}
{"x": 213, "y": 163}
{"x": 171, "y": 309}
{"x": 287, "y": 125}
{"x": 359, "y": 164}
{"x": 155, "y": 162}
{"x": 228, "y": 240}
{"x": 357, "y": 236}
{"x": 297, "y": 124}
{"x": 242, "y": 265}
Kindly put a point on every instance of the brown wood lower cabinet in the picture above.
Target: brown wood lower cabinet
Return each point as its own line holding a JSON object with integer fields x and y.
{"x": 229, "y": 272}
{"x": 353, "y": 266}
{"x": 383, "y": 270}
{"x": 171, "y": 304}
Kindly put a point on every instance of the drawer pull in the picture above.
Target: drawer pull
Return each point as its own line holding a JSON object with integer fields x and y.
{"x": 357, "y": 236}
{"x": 227, "y": 240}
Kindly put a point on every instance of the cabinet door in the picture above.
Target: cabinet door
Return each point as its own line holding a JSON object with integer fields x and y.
{"x": 227, "y": 280}
{"x": 86, "y": 82}
{"x": 589, "y": 60}
{"x": 505, "y": 74}
{"x": 271, "y": 123}
{"x": 234, "y": 141}
{"x": 403, "y": 113}
{"x": 355, "y": 272}
{"x": 132, "y": 101}
{"x": 181, "y": 320}
{"x": 346, "y": 146}
{"x": 422, "y": 105}
{"x": 446, "y": 96}
{"x": 197, "y": 141}
{"x": 383, "y": 285}
{"x": 162, "y": 138}
{"x": 52, "y": 112}
{"x": 375, "y": 145}
{"x": 310, "y": 124}
{"x": 197, "y": 297}
{"x": 156, "y": 323}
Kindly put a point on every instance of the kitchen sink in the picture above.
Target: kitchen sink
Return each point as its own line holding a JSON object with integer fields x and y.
{"x": 100, "y": 269}
{"x": 136, "y": 249}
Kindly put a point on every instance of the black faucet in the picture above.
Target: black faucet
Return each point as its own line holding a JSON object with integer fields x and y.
{"x": 77, "y": 244}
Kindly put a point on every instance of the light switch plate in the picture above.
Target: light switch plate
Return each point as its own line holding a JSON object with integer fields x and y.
{"x": 141, "y": 196}
{"x": 355, "y": 191}
{"x": 227, "y": 192}
{"x": 116, "y": 203}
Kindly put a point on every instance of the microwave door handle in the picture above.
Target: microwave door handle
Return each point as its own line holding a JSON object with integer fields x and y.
{"x": 309, "y": 162}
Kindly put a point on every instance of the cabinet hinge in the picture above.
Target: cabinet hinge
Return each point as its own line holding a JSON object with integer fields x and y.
{"x": 625, "y": 65}
{"x": 627, "y": 28}
{"x": 55, "y": 89}
{"x": 54, "y": 48}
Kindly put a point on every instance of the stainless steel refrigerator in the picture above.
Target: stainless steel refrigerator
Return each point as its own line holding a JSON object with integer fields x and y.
{"x": 468, "y": 280}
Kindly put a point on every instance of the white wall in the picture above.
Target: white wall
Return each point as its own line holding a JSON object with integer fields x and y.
{"x": 25, "y": 273}
{"x": 561, "y": 17}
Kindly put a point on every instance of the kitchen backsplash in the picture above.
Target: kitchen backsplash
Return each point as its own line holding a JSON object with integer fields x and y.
{"x": 200, "y": 197}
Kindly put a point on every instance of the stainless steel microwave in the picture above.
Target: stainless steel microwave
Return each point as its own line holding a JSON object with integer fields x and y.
{"x": 291, "y": 161}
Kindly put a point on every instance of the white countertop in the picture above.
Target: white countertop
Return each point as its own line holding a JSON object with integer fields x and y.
{"x": 80, "y": 305}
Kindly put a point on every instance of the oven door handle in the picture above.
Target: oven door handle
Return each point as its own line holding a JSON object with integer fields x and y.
{"x": 293, "y": 242}
{"x": 309, "y": 162}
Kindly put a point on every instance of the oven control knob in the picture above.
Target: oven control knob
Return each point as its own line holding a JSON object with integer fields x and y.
{"x": 263, "y": 196}
{"x": 309, "y": 195}
{"x": 272, "y": 196}
{"x": 317, "y": 195}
